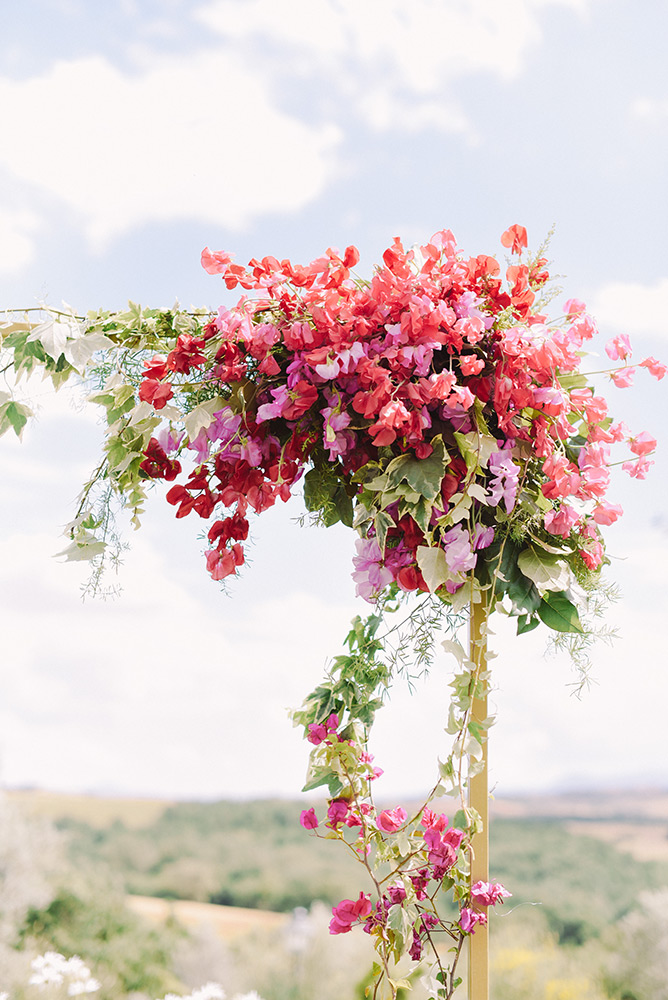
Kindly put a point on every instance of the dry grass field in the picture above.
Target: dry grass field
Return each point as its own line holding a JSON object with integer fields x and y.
{"x": 633, "y": 821}
{"x": 228, "y": 922}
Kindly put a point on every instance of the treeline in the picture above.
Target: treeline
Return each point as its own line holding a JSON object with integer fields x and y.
{"x": 255, "y": 854}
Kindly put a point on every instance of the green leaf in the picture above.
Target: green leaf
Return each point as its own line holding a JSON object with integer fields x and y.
{"x": 14, "y": 415}
{"x": 423, "y": 475}
{"x": 475, "y": 449}
{"x": 559, "y": 613}
{"x": 523, "y": 593}
{"x": 344, "y": 507}
{"x": 527, "y": 623}
{"x": 382, "y": 523}
{"x": 420, "y": 512}
{"x": 546, "y": 570}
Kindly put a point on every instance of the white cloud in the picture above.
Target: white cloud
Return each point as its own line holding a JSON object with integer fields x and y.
{"x": 632, "y": 308}
{"x": 419, "y": 46}
{"x": 203, "y": 136}
{"x": 191, "y": 138}
{"x": 17, "y": 228}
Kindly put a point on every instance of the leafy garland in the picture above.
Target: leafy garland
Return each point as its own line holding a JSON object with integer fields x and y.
{"x": 438, "y": 411}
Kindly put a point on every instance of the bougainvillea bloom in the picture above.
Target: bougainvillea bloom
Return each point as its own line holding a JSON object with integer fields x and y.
{"x": 349, "y": 912}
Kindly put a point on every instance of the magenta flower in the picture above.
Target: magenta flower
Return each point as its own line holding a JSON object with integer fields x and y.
{"x": 488, "y": 893}
{"x": 390, "y": 820}
{"x": 309, "y": 820}
{"x": 470, "y": 918}
{"x": 348, "y": 912}
{"x": 337, "y": 812}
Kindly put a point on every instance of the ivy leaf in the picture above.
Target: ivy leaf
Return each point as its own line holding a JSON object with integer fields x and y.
{"x": 382, "y": 522}
{"x": 202, "y": 416}
{"x": 433, "y": 566}
{"x": 559, "y": 613}
{"x": 15, "y": 415}
{"x": 423, "y": 475}
{"x": 475, "y": 449}
{"x": 82, "y": 551}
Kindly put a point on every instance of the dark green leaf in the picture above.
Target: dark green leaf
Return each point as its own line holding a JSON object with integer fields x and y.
{"x": 527, "y": 623}
{"x": 523, "y": 593}
{"x": 559, "y": 613}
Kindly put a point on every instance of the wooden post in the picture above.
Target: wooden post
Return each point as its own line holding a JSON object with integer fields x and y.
{"x": 479, "y": 800}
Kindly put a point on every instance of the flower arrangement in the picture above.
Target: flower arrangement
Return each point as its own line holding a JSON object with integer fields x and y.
{"x": 436, "y": 409}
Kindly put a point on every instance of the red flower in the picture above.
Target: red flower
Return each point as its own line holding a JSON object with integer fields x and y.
{"x": 515, "y": 238}
{"x": 157, "y": 393}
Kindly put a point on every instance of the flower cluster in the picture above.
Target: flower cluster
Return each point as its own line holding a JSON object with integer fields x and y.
{"x": 53, "y": 969}
{"x": 424, "y": 852}
{"x": 436, "y": 406}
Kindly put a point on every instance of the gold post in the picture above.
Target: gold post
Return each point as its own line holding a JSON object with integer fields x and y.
{"x": 479, "y": 800}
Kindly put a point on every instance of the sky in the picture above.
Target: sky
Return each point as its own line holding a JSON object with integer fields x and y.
{"x": 135, "y": 133}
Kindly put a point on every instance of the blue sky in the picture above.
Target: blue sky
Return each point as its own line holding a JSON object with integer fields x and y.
{"x": 136, "y": 133}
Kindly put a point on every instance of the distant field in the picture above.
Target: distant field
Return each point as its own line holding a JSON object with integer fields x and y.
{"x": 95, "y": 810}
{"x": 228, "y": 922}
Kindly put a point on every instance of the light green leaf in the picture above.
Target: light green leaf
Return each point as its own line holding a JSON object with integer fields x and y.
{"x": 53, "y": 334}
{"x": 433, "y": 566}
{"x": 202, "y": 416}
{"x": 546, "y": 570}
{"x": 399, "y": 922}
{"x": 476, "y": 448}
{"x": 383, "y": 522}
{"x": 80, "y": 349}
{"x": 82, "y": 551}
{"x": 14, "y": 415}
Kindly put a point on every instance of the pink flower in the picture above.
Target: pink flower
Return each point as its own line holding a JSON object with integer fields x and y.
{"x": 390, "y": 820}
{"x": 482, "y": 536}
{"x": 639, "y": 469}
{"x": 642, "y": 444}
{"x": 319, "y": 731}
{"x": 562, "y": 521}
{"x": 624, "y": 378}
{"x": 469, "y": 919}
{"x": 433, "y": 821}
{"x": 348, "y": 912}
{"x": 607, "y": 513}
{"x": 308, "y": 819}
{"x": 370, "y": 575}
{"x": 337, "y": 812}
{"x": 470, "y": 364}
{"x": 574, "y": 307}
{"x": 458, "y": 552}
{"x": 619, "y": 348}
{"x": 216, "y": 262}
{"x": 488, "y": 893}
{"x": 654, "y": 367}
